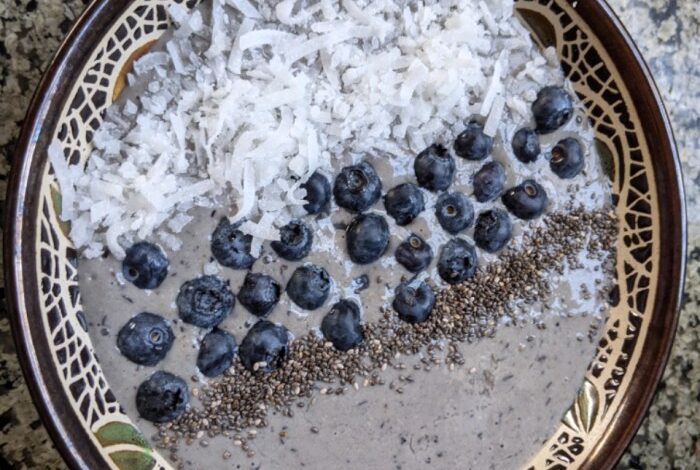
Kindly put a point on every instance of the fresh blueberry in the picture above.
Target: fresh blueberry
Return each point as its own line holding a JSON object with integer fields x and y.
{"x": 162, "y": 398}
{"x": 309, "y": 286}
{"x": 367, "y": 238}
{"x": 341, "y": 326}
{"x": 145, "y": 265}
{"x": 230, "y": 246}
{"x": 357, "y": 187}
{"x": 145, "y": 339}
{"x": 205, "y": 301}
{"x": 404, "y": 202}
{"x": 259, "y": 293}
{"x": 492, "y": 230}
{"x": 526, "y": 201}
{"x": 552, "y": 108}
{"x": 526, "y": 145}
{"x": 472, "y": 143}
{"x": 489, "y": 181}
{"x": 295, "y": 241}
{"x": 264, "y": 347}
{"x": 457, "y": 261}
{"x": 414, "y": 253}
{"x": 567, "y": 158}
{"x": 454, "y": 212}
{"x": 216, "y": 353}
{"x": 318, "y": 193}
{"x": 414, "y": 301}
{"x": 434, "y": 168}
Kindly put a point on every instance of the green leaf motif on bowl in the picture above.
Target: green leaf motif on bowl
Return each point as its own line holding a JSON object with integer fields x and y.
{"x": 606, "y": 159}
{"x": 57, "y": 200}
{"x": 138, "y": 455}
{"x": 121, "y": 433}
{"x": 583, "y": 414}
{"x": 133, "y": 460}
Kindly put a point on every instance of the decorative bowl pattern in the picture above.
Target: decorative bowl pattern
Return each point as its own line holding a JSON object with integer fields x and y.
{"x": 632, "y": 135}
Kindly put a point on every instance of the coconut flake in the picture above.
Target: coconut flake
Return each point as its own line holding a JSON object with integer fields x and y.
{"x": 415, "y": 75}
{"x": 130, "y": 108}
{"x": 495, "y": 116}
{"x": 170, "y": 241}
{"x": 283, "y": 10}
{"x": 264, "y": 229}
{"x": 236, "y": 55}
{"x": 263, "y": 37}
{"x": 494, "y": 86}
{"x": 211, "y": 269}
{"x": 178, "y": 13}
{"x": 189, "y": 193}
{"x": 175, "y": 57}
{"x": 247, "y": 8}
{"x": 149, "y": 62}
{"x": 325, "y": 41}
{"x": 177, "y": 223}
{"x": 488, "y": 18}
{"x": 248, "y": 189}
{"x": 380, "y": 26}
{"x": 112, "y": 238}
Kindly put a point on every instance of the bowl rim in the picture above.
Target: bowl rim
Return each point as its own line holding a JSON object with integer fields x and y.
{"x": 645, "y": 95}
{"x": 57, "y": 415}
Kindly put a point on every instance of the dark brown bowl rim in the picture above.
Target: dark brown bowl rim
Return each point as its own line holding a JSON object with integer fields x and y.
{"x": 45, "y": 386}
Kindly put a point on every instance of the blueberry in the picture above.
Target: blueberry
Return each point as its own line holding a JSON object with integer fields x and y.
{"x": 295, "y": 241}
{"x": 414, "y": 253}
{"x": 162, "y": 398}
{"x": 567, "y": 158}
{"x": 526, "y": 145}
{"x": 434, "y": 168}
{"x": 216, "y": 353}
{"x": 341, "y": 326}
{"x": 259, "y": 294}
{"x": 489, "y": 181}
{"x": 230, "y": 246}
{"x": 472, "y": 143}
{"x": 318, "y": 193}
{"x": 357, "y": 187}
{"x": 145, "y": 265}
{"x": 367, "y": 238}
{"x": 265, "y": 344}
{"x": 454, "y": 212}
{"x": 552, "y": 108}
{"x": 404, "y": 202}
{"x": 145, "y": 339}
{"x": 414, "y": 301}
{"x": 492, "y": 230}
{"x": 205, "y": 301}
{"x": 526, "y": 201}
{"x": 309, "y": 286}
{"x": 457, "y": 261}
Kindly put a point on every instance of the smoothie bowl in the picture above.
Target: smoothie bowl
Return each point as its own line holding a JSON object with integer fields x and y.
{"x": 256, "y": 235}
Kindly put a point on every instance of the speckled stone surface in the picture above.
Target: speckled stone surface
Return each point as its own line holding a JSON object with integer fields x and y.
{"x": 667, "y": 32}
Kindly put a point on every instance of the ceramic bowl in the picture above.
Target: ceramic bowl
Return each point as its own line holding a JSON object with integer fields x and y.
{"x": 632, "y": 134}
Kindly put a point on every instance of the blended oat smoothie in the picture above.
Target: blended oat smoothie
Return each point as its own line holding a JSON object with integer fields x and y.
{"x": 344, "y": 234}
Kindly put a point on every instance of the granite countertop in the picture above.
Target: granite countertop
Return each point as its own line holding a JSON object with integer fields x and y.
{"x": 666, "y": 31}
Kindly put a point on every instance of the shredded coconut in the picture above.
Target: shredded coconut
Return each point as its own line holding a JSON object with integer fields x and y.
{"x": 242, "y": 102}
